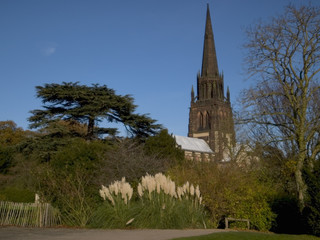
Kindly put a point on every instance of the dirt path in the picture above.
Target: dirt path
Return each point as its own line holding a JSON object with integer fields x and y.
{"x": 14, "y": 233}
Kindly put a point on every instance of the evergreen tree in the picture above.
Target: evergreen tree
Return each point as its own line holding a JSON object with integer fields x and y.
{"x": 90, "y": 105}
{"x": 163, "y": 145}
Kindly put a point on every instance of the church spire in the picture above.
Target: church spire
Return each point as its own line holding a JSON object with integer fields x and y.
{"x": 192, "y": 94}
{"x": 209, "y": 60}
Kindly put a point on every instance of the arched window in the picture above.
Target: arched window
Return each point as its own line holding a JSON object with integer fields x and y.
{"x": 212, "y": 90}
{"x": 201, "y": 121}
{"x": 207, "y": 120}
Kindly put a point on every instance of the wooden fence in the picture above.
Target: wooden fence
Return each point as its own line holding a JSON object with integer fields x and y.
{"x": 29, "y": 214}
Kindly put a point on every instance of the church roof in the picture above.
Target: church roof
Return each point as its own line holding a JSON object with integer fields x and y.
{"x": 192, "y": 144}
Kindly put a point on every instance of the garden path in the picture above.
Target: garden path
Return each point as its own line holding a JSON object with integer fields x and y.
{"x": 15, "y": 233}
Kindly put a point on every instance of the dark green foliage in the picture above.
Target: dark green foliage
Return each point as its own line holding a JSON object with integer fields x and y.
{"x": 288, "y": 218}
{"x": 163, "y": 145}
{"x": 42, "y": 147}
{"x": 69, "y": 180}
{"x": 229, "y": 191}
{"x": 90, "y": 105}
{"x": 10, "y": 134}
{"x": 16, "y": 194}
{"x": 312, "y": 210}
{"x": 10, "y": 137}
{"x": 6, "y": 159}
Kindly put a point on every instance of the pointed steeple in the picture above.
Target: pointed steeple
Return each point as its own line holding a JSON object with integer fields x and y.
{"x": 209, "y": 60}
{"x": 228, "y": 94}
{"x": 192, "y": 94}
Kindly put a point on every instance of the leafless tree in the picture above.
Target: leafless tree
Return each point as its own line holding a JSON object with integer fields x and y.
{"x": 284, "y": 58}
{"x": 128, "y": 159}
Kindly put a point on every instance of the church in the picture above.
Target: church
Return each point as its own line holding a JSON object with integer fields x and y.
{"x": 211, "y": 129}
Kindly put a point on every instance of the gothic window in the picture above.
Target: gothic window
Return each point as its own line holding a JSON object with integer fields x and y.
{"x": 215, "y": 89}
{"x": 201, "y": 120}
{"x": 207, "y": 120}
{"x": 212, "y": 89}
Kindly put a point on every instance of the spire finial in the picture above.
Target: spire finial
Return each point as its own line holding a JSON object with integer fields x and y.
{"x": 192, "y": 94}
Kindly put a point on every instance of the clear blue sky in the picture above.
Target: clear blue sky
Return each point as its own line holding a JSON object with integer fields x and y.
{"x": 149, "y": 49}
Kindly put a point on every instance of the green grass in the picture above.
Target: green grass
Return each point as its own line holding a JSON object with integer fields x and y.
{"x": 250, "y": 236}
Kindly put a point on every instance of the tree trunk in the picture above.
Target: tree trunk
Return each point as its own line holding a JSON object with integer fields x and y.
{"x": 90, "y": 132}
{"x": 300, "y": 184}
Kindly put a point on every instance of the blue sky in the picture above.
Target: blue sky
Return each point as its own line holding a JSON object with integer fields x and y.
{"x": 149, "y": 49}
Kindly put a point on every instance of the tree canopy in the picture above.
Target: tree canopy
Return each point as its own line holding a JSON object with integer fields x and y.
{"x": 90, "y": 105}
{"x": 284, "y": 104}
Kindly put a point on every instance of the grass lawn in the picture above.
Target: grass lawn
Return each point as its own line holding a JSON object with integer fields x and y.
{"x": 250, "y": 236}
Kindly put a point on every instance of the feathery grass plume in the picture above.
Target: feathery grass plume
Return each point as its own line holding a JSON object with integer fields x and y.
{"x": 192, "y": 190}
{"x": 166, "y": 205}
{"x": 161, "y": 204}
{"x": 105, "y": 193}
{"x": 198, "y": 191}
{"x": 126, "y": 192}
{"x": 180, "y": 192}
{"x": 140, "y": 190}
{"x": 115, "y": 189}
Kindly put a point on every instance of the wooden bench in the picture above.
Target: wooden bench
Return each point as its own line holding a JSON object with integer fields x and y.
{"x": 236, "y": 220}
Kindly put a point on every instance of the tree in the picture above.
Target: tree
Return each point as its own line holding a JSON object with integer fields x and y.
{"x": 163, "y": 145}
{"x": 128, "y": 158}
{"x": 69, "y": 180}
{"x": 312, "y": 210}
{"x": 90, "y": 105}
{"x": 285, "y": 55}
{"x": 10, "y": 137}
{"x": 10, "y": 134}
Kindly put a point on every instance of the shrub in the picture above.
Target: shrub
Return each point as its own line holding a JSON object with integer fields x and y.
{"x": 288, "y": 218}
{"x": 163, "y": 145}
{"x": 157, "y": 203}
{"x": 128, "y": 158}
{"x": 312, "y": 210}
{"x": 6, "y": 159}
{"x": 117, "y": 209}
{"x": 69, "y": 181}
{"x": 16, "y": 194}
{"x": 229, "y": 191}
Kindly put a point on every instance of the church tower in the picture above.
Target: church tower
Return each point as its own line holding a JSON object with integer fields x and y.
{"x": 210, "y": 116}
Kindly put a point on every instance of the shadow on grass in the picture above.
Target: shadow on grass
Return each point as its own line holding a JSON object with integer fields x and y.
{"x": 250, "y": 236}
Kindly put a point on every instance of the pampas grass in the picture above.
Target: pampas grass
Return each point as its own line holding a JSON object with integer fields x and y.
{"x": 157, "y": 203}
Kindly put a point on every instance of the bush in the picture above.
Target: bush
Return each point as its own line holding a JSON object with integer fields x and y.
{"x": 312, "y": 210}
{"x": 229, "y": 191}
{"x": 6, "y": 159}
{"x": 157, "y": 203}
{"x": 288, "y": 218}
{"x": 128, "y": 158}
{"x": 15, "y": 194}
{"x": 69, "y": 180}
{"x": 163, "y": 145}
